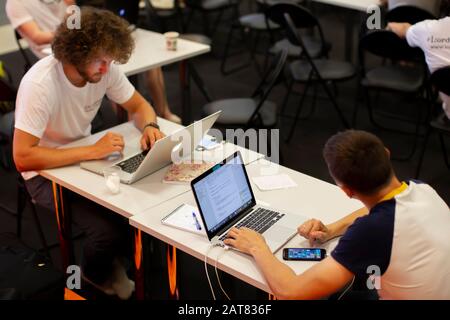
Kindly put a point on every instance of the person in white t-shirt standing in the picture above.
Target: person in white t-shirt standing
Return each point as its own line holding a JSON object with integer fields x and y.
{"x": 57, "y": 100}
{"x": 37, "y": 20}
{"x": 433, "y": 37}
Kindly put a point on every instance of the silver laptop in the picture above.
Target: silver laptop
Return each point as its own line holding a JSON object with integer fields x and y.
{"x": 137, "y": 164}
{"x": 225, "y": 199}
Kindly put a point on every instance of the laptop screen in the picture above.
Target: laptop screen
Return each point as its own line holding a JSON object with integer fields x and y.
{"x": 222, "y": 193}
{"x": 127, "y": 9}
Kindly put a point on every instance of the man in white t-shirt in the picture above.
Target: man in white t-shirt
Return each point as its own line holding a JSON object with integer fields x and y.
{"x": 56, "y": 102}
{"x": 433, "y": 37}
{"x": 37, "y": 20}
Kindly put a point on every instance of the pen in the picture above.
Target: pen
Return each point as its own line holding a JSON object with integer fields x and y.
{"x": 197, "y": 224}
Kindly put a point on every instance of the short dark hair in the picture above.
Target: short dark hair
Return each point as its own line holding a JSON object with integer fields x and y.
{"x": 101, "y": 32}
{"x": 359, "y": 160}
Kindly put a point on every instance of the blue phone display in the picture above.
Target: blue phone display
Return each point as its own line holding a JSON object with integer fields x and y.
{"x": 307, "y": 254}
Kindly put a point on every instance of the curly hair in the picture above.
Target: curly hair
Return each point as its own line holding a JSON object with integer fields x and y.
{"x": 101, "y": 32}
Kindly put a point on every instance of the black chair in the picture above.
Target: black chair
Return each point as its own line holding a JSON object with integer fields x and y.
{"x": 27, "y": 60}
{"x": 408, "y": 13}
{"x": 252, "y": 27}
{"x": 403, "y": 71}
{"x": 255, "y": 111}
{"x": 209, "y": 7}
{"x": 440, "y": 79}
{"x": 307, "y": 70}
{"x": 23, "y": 197}
{"x": 163, "y": 15}
{"x": 192, "y": 73}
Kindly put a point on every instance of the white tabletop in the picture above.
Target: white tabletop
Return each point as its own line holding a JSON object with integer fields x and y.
{"x": 151, "y": 52}
{"x": 312, "y": 198}
{"x": 143, "y": 194}
{"x": 359, "y": 5}
{"x": 8, "y": 40}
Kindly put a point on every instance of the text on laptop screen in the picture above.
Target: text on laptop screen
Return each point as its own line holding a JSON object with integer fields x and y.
{"x": 223, "y": 194}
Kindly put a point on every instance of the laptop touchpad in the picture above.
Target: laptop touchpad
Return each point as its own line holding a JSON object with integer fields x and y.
{"x": 278, "y": 233}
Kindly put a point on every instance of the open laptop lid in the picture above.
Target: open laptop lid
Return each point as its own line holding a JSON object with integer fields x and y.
{"x": 223, "y": 195}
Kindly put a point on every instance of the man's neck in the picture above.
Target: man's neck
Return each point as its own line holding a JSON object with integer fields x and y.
{"x": 73, "y": 75}
{"x": 373, "y": 200}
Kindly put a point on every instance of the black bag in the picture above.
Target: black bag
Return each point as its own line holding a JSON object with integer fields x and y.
{"x": 26, "y": 274}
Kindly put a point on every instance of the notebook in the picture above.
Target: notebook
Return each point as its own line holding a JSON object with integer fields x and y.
{"x": 184, "y": 173}
{"x": 185, "y": 217}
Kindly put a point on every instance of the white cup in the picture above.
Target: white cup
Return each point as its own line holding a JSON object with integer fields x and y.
{"x": 112, "y": 178}
{"x": 171, "y": 40}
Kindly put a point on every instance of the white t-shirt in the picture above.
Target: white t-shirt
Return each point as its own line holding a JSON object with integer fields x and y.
{"x": 48, "y": 16}
{"x": 433, "y": 37}
{"x": 52, "y": 109}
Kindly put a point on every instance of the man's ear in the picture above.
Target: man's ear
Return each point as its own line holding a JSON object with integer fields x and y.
{"x": 388, "y": 152}
{"x": 347, "y": 191}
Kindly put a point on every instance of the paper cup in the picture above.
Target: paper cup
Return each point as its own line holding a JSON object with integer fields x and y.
{"x": 171, "y": 40}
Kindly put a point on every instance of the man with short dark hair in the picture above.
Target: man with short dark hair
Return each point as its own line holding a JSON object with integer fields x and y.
{"x": 57, "y": 100}
{"x": 403, "y": 233}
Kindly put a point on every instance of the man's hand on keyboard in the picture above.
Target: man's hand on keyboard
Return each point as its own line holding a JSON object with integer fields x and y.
{"x": 246, "y": 240}
{"x": 149, "y": 137}
{"x": 109, "y": 143}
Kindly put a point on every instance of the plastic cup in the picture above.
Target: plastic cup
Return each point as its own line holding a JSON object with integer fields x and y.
{"x": 171, "y": 40}
{"x": 112, "y": 178}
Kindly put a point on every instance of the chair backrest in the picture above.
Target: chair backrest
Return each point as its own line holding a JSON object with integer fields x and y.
{"x": 269, "y": 80}
{"x": 441, "y": 80}
{"x": 22, "y": 51}
{"x": 301, "y": 18}
{"x": 410, "y": 14}
{"x": 387, "y": 44}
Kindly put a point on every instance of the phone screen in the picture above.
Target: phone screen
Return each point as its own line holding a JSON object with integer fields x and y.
{"x": 304, "y": 254}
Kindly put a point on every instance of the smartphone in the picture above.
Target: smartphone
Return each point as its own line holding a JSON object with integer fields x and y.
{"x": 304, "y": 254}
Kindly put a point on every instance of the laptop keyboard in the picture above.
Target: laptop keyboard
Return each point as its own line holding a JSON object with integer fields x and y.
{"x": 130, "y": 165}
{"x": 259, "y": 220}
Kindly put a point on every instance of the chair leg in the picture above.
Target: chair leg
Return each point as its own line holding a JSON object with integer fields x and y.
{"x": 39, "y": 228}
{"x": 286, "y": 97}
{"x": 297, "y": 115}
{"x": 199, "y": 81}
{"x": 228, "y": 54}
{"x": 444, "y": 150}
{"x": 21, "y": 201}
{"x": 422, "y": 154}
{"x": 335, "y": 105}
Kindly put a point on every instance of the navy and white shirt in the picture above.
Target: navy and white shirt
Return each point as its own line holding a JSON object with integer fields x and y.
{"x": 408, "y": 238}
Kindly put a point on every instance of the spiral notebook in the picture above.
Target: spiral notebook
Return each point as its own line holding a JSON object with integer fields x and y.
{"x": 185, "y": 217}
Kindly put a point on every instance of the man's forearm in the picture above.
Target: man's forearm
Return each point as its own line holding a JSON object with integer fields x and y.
{"x": 40, "y": 158}
{"x": 339, "y": 227}
{"x": 143, "y": 115}
{"x": 280, "y": 277}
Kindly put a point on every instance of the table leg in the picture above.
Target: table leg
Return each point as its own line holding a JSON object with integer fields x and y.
{"x": 185, "y": 93}
{"x": 138, "y": 262}
{"x": 172, "y": 272}
{"x": 64, "y": 221}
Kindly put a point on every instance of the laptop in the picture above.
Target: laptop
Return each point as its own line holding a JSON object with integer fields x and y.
{"x": 137, "y": 164}
{"x": 127, "y": 9}
{"x": 225, "y": 199}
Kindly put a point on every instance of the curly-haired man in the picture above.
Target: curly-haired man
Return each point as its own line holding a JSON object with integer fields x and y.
{"x": 57, "y": 100}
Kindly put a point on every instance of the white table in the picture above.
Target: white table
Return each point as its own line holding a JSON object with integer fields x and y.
{"x": 312, "y": 198}
{"x": 357, "y": 5}
{"x": 133, "y": 199}
{"x": 150, "y": 52}
{"x": 8, "y": 42}
{"x": 143, "y": 194}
